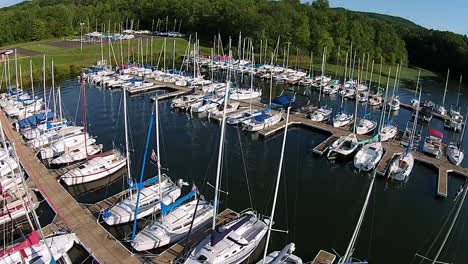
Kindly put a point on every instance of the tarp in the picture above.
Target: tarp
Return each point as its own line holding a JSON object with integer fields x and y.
{"x": 36, "y": 119}
{"x": 436, "y": 132}
{"x": 139, "y": 185}
{"x": 217, "y": 236}
{"x": 49, "y": 125}
{"x": 167, "y": 208}
{"x": 375, "y": 138}
{"x": 31, "y": 239}
{"x": 283, "y": 100}
{"x": 262, "y": 117}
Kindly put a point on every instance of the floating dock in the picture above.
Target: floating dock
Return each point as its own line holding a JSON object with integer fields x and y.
{"x": 442, "y": 165}
{"x": 324, "y": 257}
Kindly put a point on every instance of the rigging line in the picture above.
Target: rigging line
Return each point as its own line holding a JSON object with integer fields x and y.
{"x": 460, "y": 239}
{"x": 372, "y": 224}
{"x": 77, "y": 107}
{"x": 245, "y": 169}
{"x": 286, "y": 199}
{"x": 440, "y": 231}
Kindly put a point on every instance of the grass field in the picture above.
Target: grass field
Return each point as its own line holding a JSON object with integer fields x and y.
{"x": 68, "y": 62}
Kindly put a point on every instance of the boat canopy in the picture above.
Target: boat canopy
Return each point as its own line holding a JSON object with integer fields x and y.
{"x": 217, "y": 236}
{"x": 375, "y": 138}
{"x": 436, "y": 133}
{"x": 139, "y": 185}
{"x": 36, "y": 119}
{"x": 167, "y": 208}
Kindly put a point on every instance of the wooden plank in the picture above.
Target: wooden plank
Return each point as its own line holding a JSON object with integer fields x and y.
{"x": 324, "y": 257}
{"x": 91, "y": 234}
{"x": 322, "y": 147}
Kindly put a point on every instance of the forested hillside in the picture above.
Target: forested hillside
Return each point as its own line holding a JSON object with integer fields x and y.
{"x": 307, "y": 26}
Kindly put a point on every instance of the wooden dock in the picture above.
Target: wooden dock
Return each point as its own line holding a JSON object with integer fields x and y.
{"x": 324, "y": 257}
{"x": 74, "y": 217}
{"x": 144, "y": 89}
{"x": 442, "y": 165}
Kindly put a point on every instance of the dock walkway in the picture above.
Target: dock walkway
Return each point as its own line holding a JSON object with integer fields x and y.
{"x": 94, "y": 236}
{"x": 442, "y": 165}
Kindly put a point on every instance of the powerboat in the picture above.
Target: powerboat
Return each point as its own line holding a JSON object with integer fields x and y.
{"x": 368, "y": 156}
{"x": 365, "y": 126}
{"x": 321, "y": 114}
{"x": 433, "y": 143}
{"x": 342, "y": 119}
{"x": 284, "y": 256}
{"x": 343, "y": 146}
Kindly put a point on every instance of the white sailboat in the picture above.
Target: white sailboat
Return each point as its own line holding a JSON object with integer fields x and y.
{"x": 388, "y": 130}
{"x": 15, "y": 204}
{"x": 52, "y": 136}
{"x": 285, "y": 256}
{"x": 455, "y": 153}
{"x": 441, "y": 108}
{"x": 322, "y": 113}
{"x": 145, "y": 197}
{"x": 394, "y": 103}
{"x": 235, "y": 241}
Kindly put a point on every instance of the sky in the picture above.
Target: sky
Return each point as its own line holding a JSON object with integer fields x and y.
{"x": 450, "y": 15}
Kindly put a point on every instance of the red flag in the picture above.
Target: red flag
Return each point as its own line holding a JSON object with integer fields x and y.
{"x": 154, "y": 157}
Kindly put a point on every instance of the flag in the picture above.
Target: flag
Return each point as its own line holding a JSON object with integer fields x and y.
{"x": 194, "y": 188}
{"x": 154, "y": 158}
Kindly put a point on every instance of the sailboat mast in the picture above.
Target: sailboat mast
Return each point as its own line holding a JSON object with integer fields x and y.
{"x": 278, "y": 178}
{"x": 417, "y": 112}
{"x": 459, "y": 87}
{"x": 446, "y": 86}
{"x": 451, "y": 226}
{"x": 220, "y": 154}
{"x": 384, "y": 107}
{"x": 158, "y": 158}
{"x": 16, "y": 76}
{"x": 347, "y": 254}
{"x": 127, "y": 152}
{"x": 357, "y": 102}
{"x": 83, "y": 111}
{"x": 60, "y": 104}
{"x": 44, "y": 83}
{"x": 271, "y": 83}
{"x": 31, "y": 76}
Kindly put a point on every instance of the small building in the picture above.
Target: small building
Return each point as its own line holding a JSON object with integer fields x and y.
{"x": 4, "y": 54}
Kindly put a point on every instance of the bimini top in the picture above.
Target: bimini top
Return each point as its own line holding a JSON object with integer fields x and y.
{"x": 36, "y": 119}
{"x": 262, "y": 117}
{"x": 436, "y": 133}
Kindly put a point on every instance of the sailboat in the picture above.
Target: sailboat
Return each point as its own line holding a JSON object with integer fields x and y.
{"x": 455, "y": 153}
{"x": 342, "y": 118}
{"x": 14, "y": 204}
{"x": 99, "y": 166}
{"x": 175, "y": 222}
{"x": 402, "y": 165}
{"x": 285, "y": 256}
{"x": 322, "y": 113}
{"x": 265, "y": 119}
{"x": 441, "y": 108}
{"x": 387, "y": 131}
{"x": 234, "y": 241}
{"x": 394, "y": 103}
{"x": 456, "y": 119}
{"x": 149, "y": 193}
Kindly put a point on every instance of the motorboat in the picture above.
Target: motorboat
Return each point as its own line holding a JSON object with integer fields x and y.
{"x": 433, "y": 142}
{"x": 387, "y": 132}
{"x": 342, "y": 119}
{"x": 375, "y": 100}
{"x": 368, "y": 156}
{"x": 365, "y": 126}
{"x": 343, "y": 146}
{"x": 394, "y": 104}
{"x": 262, "y": 121}
{"x": 321, "y": 114}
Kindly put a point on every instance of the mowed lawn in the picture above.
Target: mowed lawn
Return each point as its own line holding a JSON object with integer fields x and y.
{"x": 43, "y": 48}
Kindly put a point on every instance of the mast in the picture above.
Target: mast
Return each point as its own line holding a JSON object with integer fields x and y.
{"x": 16, "y": 76}
{"x": 384, "y": 107}
{"x": 31, "y": 76}
{"x": 53, "y": 87}
{"x": 44, "y": 83}
{"x": 356, "y": 103}
{"x": 127, "y": 152}
{"x": 380, "y": 75}
{"x": 321, "y": 76}
{"x": 220, "y": 154}
{"x": 143, "y": 162}
{"x": 158, "y": 158}
{"x": 451, "y": 226}
{"x": 417, "y": 113}
{"x": 349, "y": 250}
{"x": 83, "y": 111}
{"x": 446, "y": 86}
{"x": 462, "y": 134}
{"x": 459, "y": 87}
{"x": 278, "y": 178}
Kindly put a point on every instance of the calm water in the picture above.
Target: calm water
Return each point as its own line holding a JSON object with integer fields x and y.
{"x": 319, "y": 201}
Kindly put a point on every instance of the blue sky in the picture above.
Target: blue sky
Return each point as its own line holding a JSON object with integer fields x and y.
{"x": 4, "y": 3}
{"x": 450, "y": 15}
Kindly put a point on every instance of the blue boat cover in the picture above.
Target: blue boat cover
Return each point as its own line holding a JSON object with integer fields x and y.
{"x": 283, "y": 100}
{"x": 36, "y": 119}
{"x": 167, "y": 208}
{"x": 139, "y": 185}
{"x": 262, "y": 117}
{"x": 49, "y": 125}
{"x": 217, "y": 236}
{"x": 263, "y": 110}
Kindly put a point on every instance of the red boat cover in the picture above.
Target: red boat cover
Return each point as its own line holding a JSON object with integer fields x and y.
{"x": 436, "y": 132}
{"x": 32, "y": 239}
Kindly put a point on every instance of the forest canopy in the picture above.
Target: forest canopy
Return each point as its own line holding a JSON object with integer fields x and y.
{"x": 307, "y": 26}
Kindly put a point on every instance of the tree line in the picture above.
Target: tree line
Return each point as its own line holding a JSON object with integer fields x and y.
{"x": 307, "y": 27}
